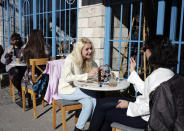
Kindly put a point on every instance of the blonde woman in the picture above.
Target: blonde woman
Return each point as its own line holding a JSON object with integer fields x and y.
{"x": 79, "y": 65}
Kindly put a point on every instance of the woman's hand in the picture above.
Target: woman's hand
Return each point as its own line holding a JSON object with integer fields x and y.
{"x": 122, "y": 104}
{"x": 9, "y": 51}
{"x": 93, "y": 72}
{"x": 132, "y": 65}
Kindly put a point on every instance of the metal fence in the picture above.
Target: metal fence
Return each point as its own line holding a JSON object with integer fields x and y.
{"x": 127, "y": 27}
{"x": 9, "y": 22}
{"x": 57, "y": 20}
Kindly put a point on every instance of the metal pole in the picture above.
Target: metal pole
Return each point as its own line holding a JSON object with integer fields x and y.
{"x": 8, "y": 21}
{"x": 20, "y": 17}
{"x": 53, "y": 28}
{"x": 160, "y": 17}
{"x": 174, "y": 11}
{"x": 107, "y": 34}
{"x": 34, "y": 15}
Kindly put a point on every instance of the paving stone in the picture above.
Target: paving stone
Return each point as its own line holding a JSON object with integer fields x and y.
{"x": 12, "y": 118}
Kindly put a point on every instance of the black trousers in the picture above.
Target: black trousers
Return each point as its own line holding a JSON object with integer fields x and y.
{"x": 16, "y": 74}
{"x": 106, "y": 112}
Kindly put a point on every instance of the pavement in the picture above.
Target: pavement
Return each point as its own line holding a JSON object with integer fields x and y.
{"x": 12, "y": 117}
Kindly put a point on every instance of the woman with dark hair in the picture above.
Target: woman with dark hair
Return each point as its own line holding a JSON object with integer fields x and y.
{"x": 35, "y": 47}
{"x": 10, "y": 55}
{"x": 13, "y": 51}
{"x": 160, "y": 55}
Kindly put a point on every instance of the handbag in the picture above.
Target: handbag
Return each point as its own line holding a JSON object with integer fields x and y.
{"x": 41, "y": 86}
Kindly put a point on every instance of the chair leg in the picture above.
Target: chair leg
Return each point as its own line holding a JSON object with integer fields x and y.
{"x": 23, "y": 99}
{"x": 13, "y": 92}
{"x": 10, "y": 87}
{"x": 34, "y": 104}
{"x": 63, "y": 118}
{"x": 54, "y": 114}
{"x": 43, "y": 103}
{"x": 75, "y": 117}
{"x": 115, "y": 129}
{"x": 0, "y": 81}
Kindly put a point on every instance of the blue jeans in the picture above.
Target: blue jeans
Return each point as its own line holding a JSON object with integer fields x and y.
{"x": 86, "y": 98}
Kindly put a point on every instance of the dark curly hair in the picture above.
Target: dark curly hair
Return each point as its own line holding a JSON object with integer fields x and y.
{"x": 17, "y": 40}
{"x": 163, "y": 53}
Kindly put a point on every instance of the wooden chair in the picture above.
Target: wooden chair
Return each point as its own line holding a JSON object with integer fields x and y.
{"x": 12, "y": 90}
{"x": 119, "y": 127}
{"x": 35, "y": 64}
{"x": 65, "y": 105}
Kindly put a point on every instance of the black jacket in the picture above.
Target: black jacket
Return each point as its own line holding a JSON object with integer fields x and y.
{"x": 167, "y": 106}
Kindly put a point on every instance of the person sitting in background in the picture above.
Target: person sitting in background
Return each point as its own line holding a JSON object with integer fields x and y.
{"x": 160, "y": 55}
{"x": 2, "y": 66}
{"x": 10, "y": 55}
{"x": 79, "y": 65}
{"x": 35, "y": 48}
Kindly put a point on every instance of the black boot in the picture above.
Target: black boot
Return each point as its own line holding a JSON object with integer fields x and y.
{"x": 76, "y": 129}
{"x": 29, "y": 101}
{"x": 20, "y": 94}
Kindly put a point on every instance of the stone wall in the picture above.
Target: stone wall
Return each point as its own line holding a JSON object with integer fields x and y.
{"x": 91, "y": 24}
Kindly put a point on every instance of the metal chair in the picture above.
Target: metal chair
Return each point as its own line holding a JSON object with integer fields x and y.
{"x": 119, "y": 127}
{"x": 35, "y": 64}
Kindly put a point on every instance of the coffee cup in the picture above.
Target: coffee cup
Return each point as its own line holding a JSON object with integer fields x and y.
{"x": 112, "y": 82}
{"x": 17, "y": 60}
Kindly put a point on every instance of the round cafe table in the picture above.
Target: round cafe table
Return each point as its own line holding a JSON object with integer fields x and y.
{"x": 18, "y": 64}
{"x": 90, "y": 85}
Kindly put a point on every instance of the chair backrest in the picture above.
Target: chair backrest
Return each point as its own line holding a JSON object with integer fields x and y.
{"x": 166, "y": 105}
{"x": 36, "y": 64}
{"x": 53, "y": 68}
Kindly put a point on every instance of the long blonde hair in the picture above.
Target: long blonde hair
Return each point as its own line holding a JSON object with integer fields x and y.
{"x": 85, "y": 65}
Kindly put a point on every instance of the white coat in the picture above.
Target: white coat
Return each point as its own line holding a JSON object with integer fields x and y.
{"x": 141, "y": 106}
